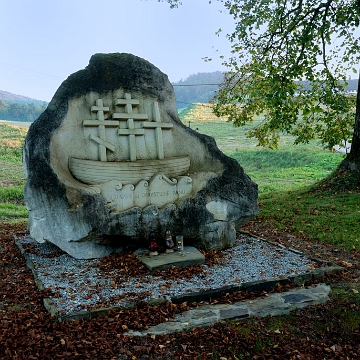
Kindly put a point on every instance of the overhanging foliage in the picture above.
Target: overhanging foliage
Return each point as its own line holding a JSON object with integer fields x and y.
{"x": 275, "y": 45}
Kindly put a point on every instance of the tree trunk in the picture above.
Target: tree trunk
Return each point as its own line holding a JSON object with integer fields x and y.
{"x": 352, "y": 160}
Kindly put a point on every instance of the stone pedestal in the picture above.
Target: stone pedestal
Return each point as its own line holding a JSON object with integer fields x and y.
{"x": 190, "y": 256}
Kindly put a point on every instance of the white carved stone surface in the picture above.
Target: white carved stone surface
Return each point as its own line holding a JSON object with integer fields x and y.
{"x": 132, "y": 183}
{"x": 96, "y": 172}
{"x": 140, "y": 194}
{"x": 159, "y": 191}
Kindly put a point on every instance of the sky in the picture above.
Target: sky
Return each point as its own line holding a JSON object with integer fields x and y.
{"x": 42, "y": 42}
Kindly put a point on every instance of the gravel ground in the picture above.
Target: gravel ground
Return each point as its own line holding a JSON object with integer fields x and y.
{"x": 79, "y": 285}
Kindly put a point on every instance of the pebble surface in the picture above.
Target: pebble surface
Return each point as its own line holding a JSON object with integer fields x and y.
{"x": 80, "y": 285}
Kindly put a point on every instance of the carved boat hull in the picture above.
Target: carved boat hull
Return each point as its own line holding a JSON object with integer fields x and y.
{"x": 96, "y": 172}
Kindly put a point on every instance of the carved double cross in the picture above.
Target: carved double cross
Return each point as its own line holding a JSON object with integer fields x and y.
{"x": 158, "y": 126}
{"x": 130, "y": 118}
{"x": 131, "y": 131}
{"x": 101, "y": 124}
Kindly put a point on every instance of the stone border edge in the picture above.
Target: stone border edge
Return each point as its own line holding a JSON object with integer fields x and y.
{"x": 258, "y": 285}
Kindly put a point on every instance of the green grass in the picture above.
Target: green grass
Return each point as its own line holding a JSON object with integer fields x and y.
{"x": 286, "y": 169}
{"x": 10, "y": 211}
{"x": 12, "y": 194}
{"x": 12, "y": 178}
{"x": 11, "y": 142}
{"x": 330, "y": 218}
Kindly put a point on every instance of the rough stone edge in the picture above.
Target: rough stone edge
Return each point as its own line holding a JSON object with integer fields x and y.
{"x": 258, "y": 285}
{"x": 48, "y": 304}
{"x": 246, "y": 311}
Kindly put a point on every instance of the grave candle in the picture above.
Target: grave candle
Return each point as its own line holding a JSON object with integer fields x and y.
{"x": 180, "y": 242}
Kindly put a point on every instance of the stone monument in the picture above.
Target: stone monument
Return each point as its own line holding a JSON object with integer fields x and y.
{"x": 109, "y": 161}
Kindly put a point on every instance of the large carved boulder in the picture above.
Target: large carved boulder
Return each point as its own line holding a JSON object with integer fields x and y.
{"x": 109, "y": 161}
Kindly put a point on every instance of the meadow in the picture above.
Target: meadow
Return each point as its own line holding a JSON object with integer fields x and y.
{"x": 12, "y": 177}
{"x": 286, "y": 168}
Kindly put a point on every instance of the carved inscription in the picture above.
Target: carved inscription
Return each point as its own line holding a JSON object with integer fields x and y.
{"x": 159, "y": 191}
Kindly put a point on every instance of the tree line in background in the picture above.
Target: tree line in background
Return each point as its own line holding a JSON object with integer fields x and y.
{"x": 199, "y": 87}
{"x": 202, "y": 88}
{"x": 20, "y": 111}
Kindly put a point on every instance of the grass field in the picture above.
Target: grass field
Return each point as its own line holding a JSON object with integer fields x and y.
{"x": 284, "y": 176}
{"x": 12, "y": 178}
{"x": 289, "y": 167}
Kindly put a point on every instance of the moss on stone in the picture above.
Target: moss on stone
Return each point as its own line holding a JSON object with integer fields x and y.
{"x": 107, "y": 72}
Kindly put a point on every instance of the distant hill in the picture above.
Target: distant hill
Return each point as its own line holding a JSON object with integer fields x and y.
{"x": 200, "y": 87}
{"x": 351, "y": 87}
{"x": 20, "y": 108}
{"x": 10, "y": 97}
{"x": 196, "y": 88}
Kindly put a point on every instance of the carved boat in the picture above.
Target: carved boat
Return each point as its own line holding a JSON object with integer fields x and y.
{"x": 129, "y": 172}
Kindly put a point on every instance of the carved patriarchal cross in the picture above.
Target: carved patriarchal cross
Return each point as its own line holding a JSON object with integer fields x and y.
{"x": 158, "y": 126}
{"x": 131, "y": 130}
{"x": 101, "y": 124}
{"x": 130, "y": 117}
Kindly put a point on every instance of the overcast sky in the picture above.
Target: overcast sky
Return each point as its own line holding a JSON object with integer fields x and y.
{"x": 44, "y": 41}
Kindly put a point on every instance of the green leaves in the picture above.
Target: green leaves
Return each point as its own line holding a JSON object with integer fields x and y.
{"x": 173, "y": 3}
{"x": 287, "y": 65}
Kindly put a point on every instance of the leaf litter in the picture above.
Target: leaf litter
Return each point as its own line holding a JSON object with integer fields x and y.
{"x": 27, "y": 331}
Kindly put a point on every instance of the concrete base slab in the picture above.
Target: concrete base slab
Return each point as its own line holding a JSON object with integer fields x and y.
{"x": 190, "y": 256}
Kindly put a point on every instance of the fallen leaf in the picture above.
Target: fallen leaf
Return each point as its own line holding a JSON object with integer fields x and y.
{"x": 336, "y": 348}
{"x": 346, "y": 263}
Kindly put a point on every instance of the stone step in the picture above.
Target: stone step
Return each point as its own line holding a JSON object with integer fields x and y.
{"x": 273, "y": 305}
